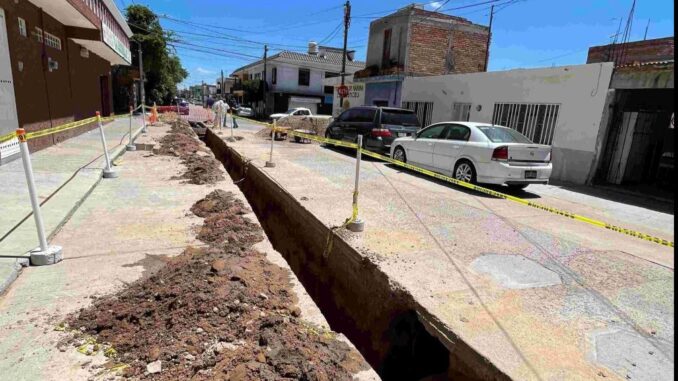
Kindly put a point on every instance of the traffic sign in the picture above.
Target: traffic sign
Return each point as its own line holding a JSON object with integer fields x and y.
{"x": 342, "y": 91}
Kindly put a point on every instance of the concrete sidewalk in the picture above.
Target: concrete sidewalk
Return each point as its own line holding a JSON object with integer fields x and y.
{"x": 537, "y": 295}
{"x": 53, "y": 167}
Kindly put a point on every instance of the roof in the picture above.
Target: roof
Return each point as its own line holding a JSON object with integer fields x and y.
{"x": 326, "y": 55}
{"x": 650, "y": 63}
{"x": 119, "y": 18}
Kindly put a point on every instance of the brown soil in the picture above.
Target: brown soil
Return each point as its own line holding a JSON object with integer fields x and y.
{"x": 183, "y": 142}
{"x": 202, "y": 170}
{"x": 222, "y": 312}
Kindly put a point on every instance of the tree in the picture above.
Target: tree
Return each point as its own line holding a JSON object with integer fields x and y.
{"x": 162, "y": 68}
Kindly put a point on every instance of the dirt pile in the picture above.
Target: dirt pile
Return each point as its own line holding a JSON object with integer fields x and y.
{"x": 182, "y": 141}
{"x": 221, "y": 312}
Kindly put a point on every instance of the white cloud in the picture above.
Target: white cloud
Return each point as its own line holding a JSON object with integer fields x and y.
{"x": 435, "y": 4}
{"x": 204, "y": 71}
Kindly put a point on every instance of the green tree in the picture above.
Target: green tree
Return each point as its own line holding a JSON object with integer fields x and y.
{"x": 162, "y": 68}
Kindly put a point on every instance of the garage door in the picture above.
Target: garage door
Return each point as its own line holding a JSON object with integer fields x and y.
{"x": 309, "y": 103}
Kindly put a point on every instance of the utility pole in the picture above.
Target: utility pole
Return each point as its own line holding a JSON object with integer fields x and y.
{"x": 646, "y": 28}
{"x": 489, "y": 38}
{"x": 142, "y": 90}
{"x": 203, "y": 93}
{"x": 347, "y": 21}
{"x": 221, "y": 85}
{"x": 264, "y": 84}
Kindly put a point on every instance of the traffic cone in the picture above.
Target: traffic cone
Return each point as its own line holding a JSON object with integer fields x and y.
{"x": 154, "y": 114}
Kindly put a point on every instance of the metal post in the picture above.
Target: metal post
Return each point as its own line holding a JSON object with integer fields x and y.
{"x": 109, "y": 173}
{"x": 143, "y": 118}
{"x": 270, "y": 163}
{"x": 356, "y": 224}
{"x": 45, "y": 254}
{"x": 232, "y": 138}
{"x": 142, "y": 89}
{"x": 130, "y": 145}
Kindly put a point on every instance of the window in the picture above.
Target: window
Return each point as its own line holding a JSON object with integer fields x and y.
{"x": 274, "y": 75}
{"x": 38, "y": 34}
{"x": 386, "y": 49}
{"x": 22, "y": 27}
{"x": 399, "y": 117}
{"x": 458, "y": 132}
{"x": 432, "y": 132}
{"x": 503, "y": 135}
{"x": 329, "y": 74}
{"x": 52, "y": 41}
{"x": 424, "y": 110}
{"x": 461, "y": 112}
{"x": 328, "y": 89}
{"x": 536, "y": 121}
{"x": 304, "y": 77}
{"x": 363, "y": 115}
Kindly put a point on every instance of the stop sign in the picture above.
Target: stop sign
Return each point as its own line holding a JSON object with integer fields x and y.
{"x": 342, "y": 91}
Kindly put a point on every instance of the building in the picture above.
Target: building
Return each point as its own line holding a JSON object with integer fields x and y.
{"x": 638, "y": 145}
{"x": 295, "y": 79}
{"x": 356, "y": 94}
{"x": 227, "y": 87}
{"x": 55, "y": 64}
{"x": 563, "y": 107}
{"x": 417, "y": 42}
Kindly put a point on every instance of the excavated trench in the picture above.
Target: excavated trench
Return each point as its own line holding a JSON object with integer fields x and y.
{"x": 355, "y": 296}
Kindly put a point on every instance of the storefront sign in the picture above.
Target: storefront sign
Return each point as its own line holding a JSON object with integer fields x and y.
{"x": 114, "y": 42}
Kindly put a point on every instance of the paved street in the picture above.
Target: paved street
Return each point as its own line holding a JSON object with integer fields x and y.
{"x": 585, "y": 284}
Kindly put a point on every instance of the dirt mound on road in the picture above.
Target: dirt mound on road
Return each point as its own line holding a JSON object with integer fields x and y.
{"x": 180, "y": 145}
{"x": 217, "y": 313}
{"x": 202, "y": 170}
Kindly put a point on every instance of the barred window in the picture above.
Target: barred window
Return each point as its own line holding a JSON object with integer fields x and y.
{"x": 461, "y": 112}
{"x": 22, "y": 27}
{"x": 537, "y": 121}
{"x": 424, "y": 110}
{"x": 52, "y": 41}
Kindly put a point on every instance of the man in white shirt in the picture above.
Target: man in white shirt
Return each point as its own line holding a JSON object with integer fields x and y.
{"x": 218, "y": 117}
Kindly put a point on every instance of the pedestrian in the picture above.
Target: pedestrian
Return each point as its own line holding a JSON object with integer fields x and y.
{"x": 218, "y": 115}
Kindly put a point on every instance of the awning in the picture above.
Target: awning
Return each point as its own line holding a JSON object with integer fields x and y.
{"x": 305, "y": 100}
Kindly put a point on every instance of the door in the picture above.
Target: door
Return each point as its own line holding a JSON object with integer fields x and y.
{"x": 619, "y": 160}
{"x": 420, "y": 150}
{"x": 105, "y": 96}
{"x": 447, "y": 150}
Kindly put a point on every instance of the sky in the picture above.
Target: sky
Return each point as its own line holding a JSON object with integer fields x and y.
{"x": 225, "y": 34}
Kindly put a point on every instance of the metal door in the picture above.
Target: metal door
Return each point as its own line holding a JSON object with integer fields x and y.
{"x": 9, "y": 120}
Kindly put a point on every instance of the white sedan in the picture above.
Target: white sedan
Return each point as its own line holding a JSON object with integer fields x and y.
{"x": 477, "y": 152}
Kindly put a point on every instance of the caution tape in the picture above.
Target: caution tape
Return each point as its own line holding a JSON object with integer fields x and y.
{"x": 546, "y": 208}
{"x": 6, "y": 137}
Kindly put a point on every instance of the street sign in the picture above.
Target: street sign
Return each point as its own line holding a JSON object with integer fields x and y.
{"x": 342, "y": 91}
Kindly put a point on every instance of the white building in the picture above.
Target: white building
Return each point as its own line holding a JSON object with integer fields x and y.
{"x": 356, "y": 94}
{"x": 296, "y": 79}
{"x": 563, "y": 107}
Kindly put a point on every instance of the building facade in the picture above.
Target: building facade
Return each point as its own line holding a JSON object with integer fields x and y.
{"x": 638, "y": 145}
{"x": 416, "y": 42}
{"x": 55, "y": 64}
{"x": 562, "y": 107}
{"x": 295, "y": 79}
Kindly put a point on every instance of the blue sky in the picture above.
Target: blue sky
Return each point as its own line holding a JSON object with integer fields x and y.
{"x": 526, "y": 33}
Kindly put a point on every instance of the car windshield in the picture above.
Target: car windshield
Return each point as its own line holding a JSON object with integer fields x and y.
{"x": 399, "y": 117}
{"x": 290, "y": 111}
{"x": 503, "y": 135}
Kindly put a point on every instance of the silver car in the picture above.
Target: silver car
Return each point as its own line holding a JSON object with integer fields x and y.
{"x": 244, "y": 111}
{"x": 477, "y": 152}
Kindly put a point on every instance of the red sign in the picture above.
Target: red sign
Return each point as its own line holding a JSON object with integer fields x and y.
{"x": 342, "y": 91}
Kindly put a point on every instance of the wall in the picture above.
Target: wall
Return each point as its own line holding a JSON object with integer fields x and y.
{"x": 355, "y": 98}
{"x": 379, "y": 91}
{"x": 45, "y": 99}
{"x": 659, "y": 49}
{"x": 398, "y": 24}
{"x": 580, "y": 90}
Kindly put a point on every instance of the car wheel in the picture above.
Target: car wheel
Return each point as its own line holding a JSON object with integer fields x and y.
{"x": 464, "y": 171}
{"x": 399, "y": 154}
{"x": 517, "y": 187}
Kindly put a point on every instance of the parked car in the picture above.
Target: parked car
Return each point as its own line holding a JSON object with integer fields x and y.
{"x": 379, "y": 126}
{"x": 477, "y": 152}
{"x": 298, "y": 111}
{"x": 244, "y": 111}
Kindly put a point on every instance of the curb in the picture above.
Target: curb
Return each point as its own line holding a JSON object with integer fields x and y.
{"x": 20, "y": 263}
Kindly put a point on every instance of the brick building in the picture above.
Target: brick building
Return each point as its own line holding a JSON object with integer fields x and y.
{"x": 659, "y": 49}
{"x": 55, "y": 64}
{"x": 417, "y": 42}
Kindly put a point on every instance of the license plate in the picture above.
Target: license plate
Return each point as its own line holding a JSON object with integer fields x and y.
{"x": 401, "y": 134}
{"x": 530, "y": 174}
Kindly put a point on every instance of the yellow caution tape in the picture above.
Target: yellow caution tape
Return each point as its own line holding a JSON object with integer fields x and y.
{"x": 61, "y": 128}
{"x": 574, "y": 216}
{"x": 6, "y": 137}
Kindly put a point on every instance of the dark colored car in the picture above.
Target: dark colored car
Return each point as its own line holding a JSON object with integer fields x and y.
{"x": 379, "y": 126}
